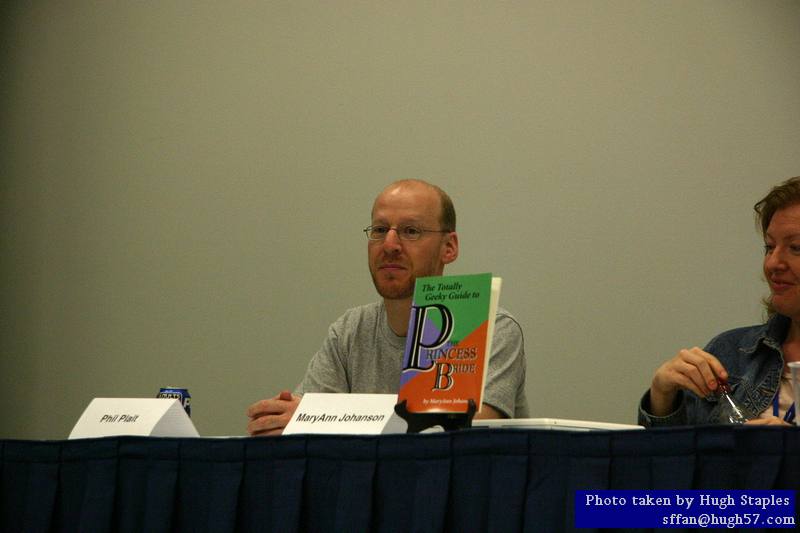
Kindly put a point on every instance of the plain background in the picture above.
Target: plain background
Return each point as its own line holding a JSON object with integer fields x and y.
{"x": 184, "y": 185}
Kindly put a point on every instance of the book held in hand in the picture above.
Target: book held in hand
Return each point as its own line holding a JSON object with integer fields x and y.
{"x": 448, "y": 343}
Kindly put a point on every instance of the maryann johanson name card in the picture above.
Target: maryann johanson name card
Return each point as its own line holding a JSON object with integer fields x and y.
{"x": 354, "y": 414}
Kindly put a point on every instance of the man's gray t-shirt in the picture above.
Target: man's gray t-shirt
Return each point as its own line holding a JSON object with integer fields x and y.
{"x": 361, "y": 354}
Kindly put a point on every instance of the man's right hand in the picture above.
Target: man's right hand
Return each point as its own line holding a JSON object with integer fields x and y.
{"x": 269, "y": 417}
{"x": 693, "y": 370}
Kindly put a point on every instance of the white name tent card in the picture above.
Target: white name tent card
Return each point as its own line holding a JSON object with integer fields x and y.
{"x": 346, "y": 414}
{"x": 152, "y": 417}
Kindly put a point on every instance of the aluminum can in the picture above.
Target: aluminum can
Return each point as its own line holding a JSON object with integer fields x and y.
{"x": 179, "y": 394}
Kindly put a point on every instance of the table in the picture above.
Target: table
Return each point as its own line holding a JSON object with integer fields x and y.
{"x": 469, "y": 480}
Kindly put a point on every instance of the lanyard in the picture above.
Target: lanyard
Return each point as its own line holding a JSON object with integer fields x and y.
{"x": 789, "y": 416}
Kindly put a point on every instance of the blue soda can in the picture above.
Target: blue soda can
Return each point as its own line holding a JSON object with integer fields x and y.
{"x": 179, "y": 394}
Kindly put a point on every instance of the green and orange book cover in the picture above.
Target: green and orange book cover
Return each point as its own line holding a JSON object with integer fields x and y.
{"x": 448, "y": 343}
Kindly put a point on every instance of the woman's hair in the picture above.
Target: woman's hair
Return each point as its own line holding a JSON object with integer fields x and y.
{"x": 781, "y": 196}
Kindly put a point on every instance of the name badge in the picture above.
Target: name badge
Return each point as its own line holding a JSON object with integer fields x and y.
{"x": 348, "y": 414}
{"x": 153, "y": 417}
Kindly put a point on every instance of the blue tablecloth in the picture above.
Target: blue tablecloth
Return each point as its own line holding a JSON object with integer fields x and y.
{"x": 471, "y": 480}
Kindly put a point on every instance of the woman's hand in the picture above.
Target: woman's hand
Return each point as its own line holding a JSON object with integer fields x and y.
{"x": 771, "y": 421}
{"x": 693, "y": 370}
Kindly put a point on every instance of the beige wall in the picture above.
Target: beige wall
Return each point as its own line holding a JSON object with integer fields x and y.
{"x": 184, "y": 184}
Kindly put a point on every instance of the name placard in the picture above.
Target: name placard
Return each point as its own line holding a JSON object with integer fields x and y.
{"x": 348, "y": 414}
{"x": 154, "y": 417}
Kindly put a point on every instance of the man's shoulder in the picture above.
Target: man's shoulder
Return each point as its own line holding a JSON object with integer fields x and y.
{"x": 503, "y": 315}
{"x": 506, "y": 326}
{"x": 359, "y": 314}
{"x": 503, "y": 312}
{"x": 362, "y": 310}
{"x": 371, "y": 313}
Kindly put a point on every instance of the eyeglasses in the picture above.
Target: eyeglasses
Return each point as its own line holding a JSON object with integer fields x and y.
{"x": 406, "y": 233}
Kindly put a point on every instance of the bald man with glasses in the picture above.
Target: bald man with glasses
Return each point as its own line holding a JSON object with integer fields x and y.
{"x": 412, "y": 235}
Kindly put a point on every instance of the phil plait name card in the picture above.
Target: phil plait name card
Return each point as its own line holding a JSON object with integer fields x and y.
{"x": 154, "y": 417}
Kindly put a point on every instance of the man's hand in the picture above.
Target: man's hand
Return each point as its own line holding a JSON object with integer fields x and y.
{"x": 693, "y": 370}
{"x": 269, "y": 417}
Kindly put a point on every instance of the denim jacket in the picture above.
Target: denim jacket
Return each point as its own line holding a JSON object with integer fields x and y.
{"x": 754, "y": 361}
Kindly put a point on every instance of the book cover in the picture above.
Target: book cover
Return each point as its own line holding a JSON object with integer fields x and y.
{"x": 448, "y": 343}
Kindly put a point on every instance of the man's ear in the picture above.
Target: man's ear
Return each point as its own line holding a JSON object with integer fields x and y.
{"x": 450, "y": 248}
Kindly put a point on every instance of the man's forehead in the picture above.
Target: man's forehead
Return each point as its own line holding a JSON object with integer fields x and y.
{"x": 414, "y": 199}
